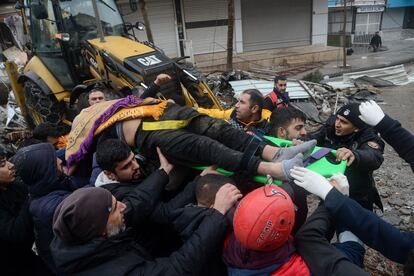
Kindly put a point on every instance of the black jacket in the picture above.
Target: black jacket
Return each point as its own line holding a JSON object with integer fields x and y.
{"x": 398, "y": 137}
{"x": 368, "y": 150}
{"x": 120, "y": 255}
{"x": 16, "y": 231}
{"x": 37, "y": 166}
{"x": 155, "y": 234}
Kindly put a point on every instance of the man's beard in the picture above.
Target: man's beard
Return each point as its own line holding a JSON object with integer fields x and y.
{"x": 113, "y": 230}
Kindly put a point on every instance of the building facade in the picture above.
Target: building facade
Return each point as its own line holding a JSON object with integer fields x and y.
{"x": 194, "y": 27}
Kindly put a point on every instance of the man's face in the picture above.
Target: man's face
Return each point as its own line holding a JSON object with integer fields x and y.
{"x": 344, "y": 127}
{"x": 116, "y": 223}
{"x": 96, "y": 97}
{"x": 295, "y": 130}
{"x": 244, "y": 110}
{"x": 7, "y": 172}
{"x": 128, "y": 169}
{"x": 281, "y": 85}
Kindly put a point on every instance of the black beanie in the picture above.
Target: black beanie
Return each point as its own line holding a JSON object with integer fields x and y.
{"x": 351, "y": 113}
{"x": 83, "y": 215}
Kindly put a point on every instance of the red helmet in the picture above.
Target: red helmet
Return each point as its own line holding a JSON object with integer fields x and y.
{"x": 264, "y": 218}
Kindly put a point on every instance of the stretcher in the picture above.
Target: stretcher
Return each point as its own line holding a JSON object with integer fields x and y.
{"x": 321, "y": 160}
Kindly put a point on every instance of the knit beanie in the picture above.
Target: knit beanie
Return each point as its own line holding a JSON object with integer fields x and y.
{"x": 83, "y": 215}
{"x": 351, "y": 113}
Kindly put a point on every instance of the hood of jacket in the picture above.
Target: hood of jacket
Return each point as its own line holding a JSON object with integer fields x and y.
{"x": 37, "y": 166}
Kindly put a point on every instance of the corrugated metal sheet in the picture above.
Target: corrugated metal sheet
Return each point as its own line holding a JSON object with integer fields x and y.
{"x": 295, "y": 89}
{"x": 395, "y": 74}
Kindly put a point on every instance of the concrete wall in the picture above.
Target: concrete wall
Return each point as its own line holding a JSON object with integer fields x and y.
{"x": 393, "y": 18}
{"x": 320, "y": 22}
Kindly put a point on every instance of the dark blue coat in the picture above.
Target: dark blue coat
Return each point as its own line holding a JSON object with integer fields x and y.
{"x": 398, "y": 137}
{"x": 372, "y": 230}
{"x": 37, "y": 167}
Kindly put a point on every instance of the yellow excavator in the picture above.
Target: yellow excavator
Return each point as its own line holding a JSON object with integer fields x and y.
{"x": 78, "y": 43}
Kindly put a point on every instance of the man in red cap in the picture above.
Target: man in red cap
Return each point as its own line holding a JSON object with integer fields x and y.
{"x": 262, "y": 245}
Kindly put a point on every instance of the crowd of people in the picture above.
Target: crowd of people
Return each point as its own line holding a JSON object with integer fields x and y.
{"x": 117, "y": 194}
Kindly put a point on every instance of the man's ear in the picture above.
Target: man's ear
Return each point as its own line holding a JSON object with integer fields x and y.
{"x": 255, "y": 108}
{"x": 356, "y": 130}
{"x": 110, "y": 175}
{"x": 281, "y": 133}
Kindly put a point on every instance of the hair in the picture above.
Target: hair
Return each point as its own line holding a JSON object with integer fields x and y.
{"x": 99, "y": 88}
{"x": 279, "y": 78}
{"x": 256, "y": 97}
{"x": 28, "y": 142}
{"x": 110, "y": 152}
{"x": 43, "y": 130}
{"x": 282, "y": 117}
{"x": 207, "y": 187}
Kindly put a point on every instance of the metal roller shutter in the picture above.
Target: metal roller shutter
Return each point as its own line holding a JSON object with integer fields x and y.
{"x": 163, "y": 24}
{"x": 206, "y": 25}
{"x": 271, "y": 24}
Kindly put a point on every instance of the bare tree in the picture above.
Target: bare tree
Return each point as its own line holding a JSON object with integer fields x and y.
{"x": 230, "y": 31}
{"x": 143, "y": 8}
{"x": 344, "y": 36}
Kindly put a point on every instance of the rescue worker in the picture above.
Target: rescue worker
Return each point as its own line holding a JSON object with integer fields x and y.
{"x": 357, "y": 143}
{"x": 247, "y": 115}
{"x": 277, "y": 98}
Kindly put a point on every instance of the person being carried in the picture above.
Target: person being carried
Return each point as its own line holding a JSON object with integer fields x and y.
{"x": 185, "y": 136}
{"x": 247, "y": 115}
{"x": 357, "y": 143}
{"x": 278, "y": 97}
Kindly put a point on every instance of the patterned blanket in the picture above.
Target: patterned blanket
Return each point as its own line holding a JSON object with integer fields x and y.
{"x": 94, "y": 119}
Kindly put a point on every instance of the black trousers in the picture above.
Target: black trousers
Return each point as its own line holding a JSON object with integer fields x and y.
{"x": 322, "y": 257}
{"x": 205, "y": 141}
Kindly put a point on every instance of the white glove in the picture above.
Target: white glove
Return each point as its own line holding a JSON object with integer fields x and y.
{"x": 340, "y": 182}
{"x": 311, "y": 181}
{"x": 371, "y": 113}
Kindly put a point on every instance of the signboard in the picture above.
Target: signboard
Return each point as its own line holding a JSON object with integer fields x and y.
{"x": 370, "y": 9}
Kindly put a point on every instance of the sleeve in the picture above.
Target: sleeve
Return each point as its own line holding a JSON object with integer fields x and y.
{"x": 143, "y": 199}
{"x": 398, "y": 137}
{"x": 216, "y": 113}
{"x": 367, "y": 226}
{"x": 150, "y": 91}
{"x": 319, "y": 136}
{"x": 163, "y": 210}
{"x": 196, "y": 253}
{"x": 96, "y": 170}
{"x": 369, "y": 156}
{"x": 17, "y": 229}
{"x": 319, "y": 254}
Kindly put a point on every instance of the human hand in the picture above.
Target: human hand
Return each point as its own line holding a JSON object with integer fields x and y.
{"x": 210, "y": 170}
{"x": 161, "y": 79}
{"x": 311, "y": 181}
{"x": 340, "y": 182}
{"x": 345, "y": 154}
{"x": 164, "y": 164}
{"x": 296, "y": 142}
{"x": 226, "y": 197}
{"x": 371, "y": 113}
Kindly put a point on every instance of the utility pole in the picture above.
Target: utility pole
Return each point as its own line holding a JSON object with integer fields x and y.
{"x": 143, "y": 8}
{"x": 344, "y": 36}
{"x": 230, "y": 31}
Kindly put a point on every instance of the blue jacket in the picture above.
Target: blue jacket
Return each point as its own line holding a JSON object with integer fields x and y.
{"x": 398, "y": 137}
{"x": 372, "y": 230}
{"x": 37, "y": 167}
